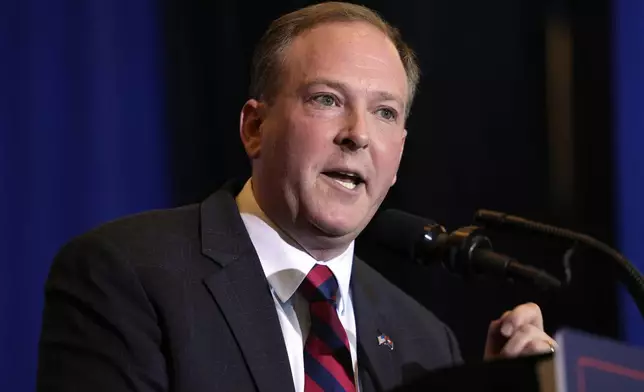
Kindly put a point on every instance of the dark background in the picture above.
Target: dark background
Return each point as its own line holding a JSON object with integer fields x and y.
{"x": 513, "y": 114}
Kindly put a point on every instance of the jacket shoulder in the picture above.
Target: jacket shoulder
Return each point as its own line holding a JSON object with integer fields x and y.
{"x": 143, "y": 237}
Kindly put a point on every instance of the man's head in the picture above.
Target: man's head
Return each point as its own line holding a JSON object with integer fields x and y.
{"x": 269, "y": 53}
{"x": 331, "y": 86}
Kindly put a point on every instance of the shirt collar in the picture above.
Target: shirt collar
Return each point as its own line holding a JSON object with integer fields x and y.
{"x": 284, "y": 262}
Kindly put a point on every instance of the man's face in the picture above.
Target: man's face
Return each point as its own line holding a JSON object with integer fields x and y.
{"x": 327, "y": 148}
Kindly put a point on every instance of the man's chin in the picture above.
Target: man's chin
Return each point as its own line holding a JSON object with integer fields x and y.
{"x": 337, "y": 230}
{"x": 325, "y": 239}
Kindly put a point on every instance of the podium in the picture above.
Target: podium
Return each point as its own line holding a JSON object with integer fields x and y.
{"x": 583, "y": 363}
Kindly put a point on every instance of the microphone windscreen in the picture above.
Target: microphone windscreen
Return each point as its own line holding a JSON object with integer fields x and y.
{"x": 398, "y": 231}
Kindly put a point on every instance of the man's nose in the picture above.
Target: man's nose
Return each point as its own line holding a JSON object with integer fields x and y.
{"x": 355, "y": 133}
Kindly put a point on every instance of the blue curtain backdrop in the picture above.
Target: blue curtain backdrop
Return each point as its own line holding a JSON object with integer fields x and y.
{"x": 629, "y": 146}
{"x": 81, "y": 142}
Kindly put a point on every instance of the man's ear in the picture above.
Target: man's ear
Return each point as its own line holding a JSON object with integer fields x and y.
{"x": 402, "y": 148}
{"x": 250, "y": 123}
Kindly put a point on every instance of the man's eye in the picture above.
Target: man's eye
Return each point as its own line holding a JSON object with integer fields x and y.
{"x": 387, "y": 114}
{"x": 325, "y": 100}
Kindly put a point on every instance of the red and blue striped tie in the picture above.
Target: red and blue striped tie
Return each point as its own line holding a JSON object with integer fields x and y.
{"x": 327, "y": 356}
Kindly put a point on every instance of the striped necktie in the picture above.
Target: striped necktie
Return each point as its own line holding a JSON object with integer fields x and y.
{"x": 327, "y": 356}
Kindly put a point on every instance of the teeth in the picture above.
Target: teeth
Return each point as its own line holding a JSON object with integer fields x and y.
{"x": 346, "y": 184}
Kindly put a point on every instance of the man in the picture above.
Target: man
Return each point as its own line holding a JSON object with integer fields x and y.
{"x": 257, "y": 288}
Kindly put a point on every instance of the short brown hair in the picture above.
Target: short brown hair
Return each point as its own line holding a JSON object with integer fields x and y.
{"x": 267, "y": 58}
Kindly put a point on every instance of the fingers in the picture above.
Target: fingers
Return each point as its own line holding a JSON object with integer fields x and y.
{"x": 527, "y": 339}
{"x": 518, "y": 332}
{"x": 524, "y": 314}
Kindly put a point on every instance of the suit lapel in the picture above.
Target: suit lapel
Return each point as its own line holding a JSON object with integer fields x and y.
{"x": 243, "y": 294}
{"x": 376, "y": 361}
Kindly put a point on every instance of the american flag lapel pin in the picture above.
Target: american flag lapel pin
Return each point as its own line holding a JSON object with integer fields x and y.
{"x": 385, "y": 340}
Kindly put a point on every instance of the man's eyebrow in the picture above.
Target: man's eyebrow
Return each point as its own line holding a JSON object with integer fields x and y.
{"x": 387, "y": 96}
{"x": 337, "y": 85}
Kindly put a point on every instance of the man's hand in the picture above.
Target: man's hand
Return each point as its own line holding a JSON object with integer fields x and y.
{"x": 518, "y": 332}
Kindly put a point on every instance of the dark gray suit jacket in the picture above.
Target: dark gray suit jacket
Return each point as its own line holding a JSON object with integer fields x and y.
{"x": 176, "y": 300}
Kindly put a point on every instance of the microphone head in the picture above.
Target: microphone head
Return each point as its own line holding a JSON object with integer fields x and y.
{"x": 398, "y": 231}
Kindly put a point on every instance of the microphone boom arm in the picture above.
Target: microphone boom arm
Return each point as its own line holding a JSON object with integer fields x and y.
{"x": 624, "y": 269}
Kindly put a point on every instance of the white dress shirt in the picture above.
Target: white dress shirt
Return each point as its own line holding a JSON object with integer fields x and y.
{"x": 286, "y": 265}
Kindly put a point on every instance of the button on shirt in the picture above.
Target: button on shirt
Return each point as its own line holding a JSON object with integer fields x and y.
{"x": 286, "y": 265}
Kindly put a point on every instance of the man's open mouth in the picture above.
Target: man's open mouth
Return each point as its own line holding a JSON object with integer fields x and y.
{"x": 349, "y": 180}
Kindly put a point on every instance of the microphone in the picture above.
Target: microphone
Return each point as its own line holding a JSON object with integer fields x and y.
{"x": 465, "y": 251}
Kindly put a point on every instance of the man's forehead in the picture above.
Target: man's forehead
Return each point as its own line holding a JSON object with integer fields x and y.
{"x": 335, "y": 35}
{"x": 332, "y": 52}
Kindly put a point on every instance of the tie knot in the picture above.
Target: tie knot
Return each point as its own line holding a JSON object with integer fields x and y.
{"x": 320, "y": 285}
